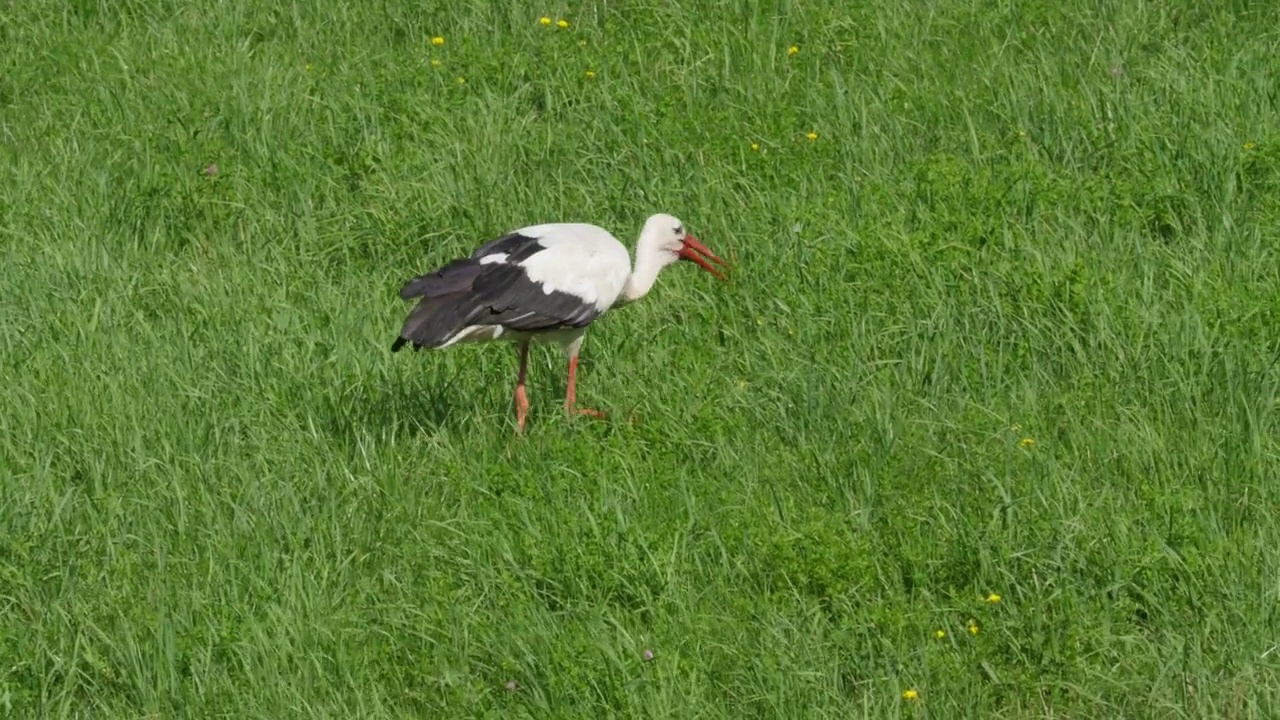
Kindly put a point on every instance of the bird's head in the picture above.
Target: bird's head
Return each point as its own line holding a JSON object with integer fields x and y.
{"x": 667, "y": 238}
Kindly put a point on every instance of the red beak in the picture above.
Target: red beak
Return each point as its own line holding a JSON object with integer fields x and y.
{"x": 694, "y": 251}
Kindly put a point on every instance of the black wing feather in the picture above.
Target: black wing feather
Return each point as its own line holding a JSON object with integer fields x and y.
{"x": 515, "y": 246}
{"x": 516, "y": 302}
{"x": 465, "y": 292}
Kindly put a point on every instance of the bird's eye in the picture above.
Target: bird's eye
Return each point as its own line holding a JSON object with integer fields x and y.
{"x": 679, "y": 230}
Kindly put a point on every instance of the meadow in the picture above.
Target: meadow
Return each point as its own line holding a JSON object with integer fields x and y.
{"x": 985, "y": 424}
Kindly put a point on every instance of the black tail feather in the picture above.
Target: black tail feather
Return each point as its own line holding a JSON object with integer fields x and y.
{"x": 455, "y": 277}
{"x": 435, "y": 320}
{"x": 446, "y": 306}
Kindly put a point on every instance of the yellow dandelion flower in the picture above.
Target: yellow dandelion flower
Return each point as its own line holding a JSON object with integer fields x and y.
{"x": 462, "y": 80}
{"x": 562, "y": 24}
{"x": 910, "y": 694}
{"x": 1250, "y": 145}
{"x": 591, "y": 73}
{"x": 755, "y": 146}
{"x": 792, "y": 50}
{"x": 1027, "y": 442}
{"x": 812, "y": 136}
{"x": 435, "y": 62}
{"x": 993, "y": 598}
{"x": 939, "y": 633}
{"x": 544, "y": 20}
{"x": 437, "y": 41}
{"x": 973, "y": 627}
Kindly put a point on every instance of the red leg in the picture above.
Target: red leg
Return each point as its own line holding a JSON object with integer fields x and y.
{"x": 571, "y": 393}
{"x": 522, "y": 401}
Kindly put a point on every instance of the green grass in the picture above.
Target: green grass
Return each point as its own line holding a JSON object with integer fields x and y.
{"x": 221, "y": 495}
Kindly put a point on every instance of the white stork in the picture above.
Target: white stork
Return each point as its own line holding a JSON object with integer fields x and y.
{"x": 545, "y": 283}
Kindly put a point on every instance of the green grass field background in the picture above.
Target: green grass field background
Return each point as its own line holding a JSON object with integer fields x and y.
{"x": 1005, "y": 320}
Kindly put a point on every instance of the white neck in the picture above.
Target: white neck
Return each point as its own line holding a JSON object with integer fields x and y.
{"x": 643, "y": 275}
